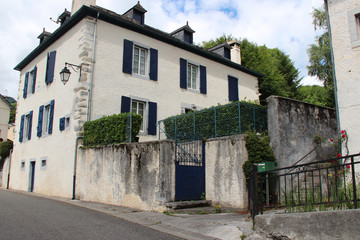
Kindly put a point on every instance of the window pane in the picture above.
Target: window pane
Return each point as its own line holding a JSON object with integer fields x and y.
{"x": 46, "y": 119}
{"x": 194, "y": 69}
{"x": 142, "y": 62}
{"x": 134, "y": 107}
{"x": 189, "y": 76}
{"x": 136, "y": 60}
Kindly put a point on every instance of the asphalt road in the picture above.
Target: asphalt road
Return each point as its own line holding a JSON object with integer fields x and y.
{"x": 28, "y": 217}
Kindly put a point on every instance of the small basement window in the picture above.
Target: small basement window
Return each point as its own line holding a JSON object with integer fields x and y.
{"x": 43, "y": 163}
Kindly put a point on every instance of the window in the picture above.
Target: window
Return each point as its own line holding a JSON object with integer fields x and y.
{"x": 233, "y": 84}
{"x": 64, "y": 123}
{"x": 22, "y": 165}
{"x": 29, "y": 83}
{"x": 45, "y": 120}
{"x": 50, "y": 67}
{"x": 43, "y": 162}
{"x": 140, "y": 60}
{"x": 139, "y": 108}
{"x": 354, "y": 26}
{"x": 25, "y": 126}
{"x": 192, "y": 76}
{"x": 147, "y": 109}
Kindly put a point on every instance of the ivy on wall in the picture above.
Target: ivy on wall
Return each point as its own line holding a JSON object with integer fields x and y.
{"x": 259, "y": 150}
{"x": 111, "y": 129}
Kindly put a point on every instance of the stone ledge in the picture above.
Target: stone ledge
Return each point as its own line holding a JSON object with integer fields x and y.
{"x": 188, "y": 204}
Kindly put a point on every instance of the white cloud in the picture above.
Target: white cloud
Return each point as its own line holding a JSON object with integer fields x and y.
{"x": 286, "y": 25}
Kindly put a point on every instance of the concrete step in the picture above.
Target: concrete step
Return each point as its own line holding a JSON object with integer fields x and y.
{"x": 188, "y": 204}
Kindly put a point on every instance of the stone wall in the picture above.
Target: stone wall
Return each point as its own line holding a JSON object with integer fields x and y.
{"x": 292, "y": 127}
{"x": 139, "y": 175}
{"x": 142, "y": 175}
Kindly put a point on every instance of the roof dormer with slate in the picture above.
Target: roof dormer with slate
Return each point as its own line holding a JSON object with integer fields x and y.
{"x": 223, "y": 50}
{"x": 136, "y": 13}
{"x": 43, "y": 36}
{"x": 184, "y": 33}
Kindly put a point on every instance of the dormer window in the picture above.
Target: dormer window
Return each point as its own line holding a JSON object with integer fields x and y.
{"x": 223, "y": 50}
{"x": 136, "y": 13}
{"x": 44, "y": 35}
{"x": 184, "y": 33}
{"x": 64, "y": 17}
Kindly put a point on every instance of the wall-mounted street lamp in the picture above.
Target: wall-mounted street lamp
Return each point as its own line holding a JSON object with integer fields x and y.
{"x": 65, "y": 73}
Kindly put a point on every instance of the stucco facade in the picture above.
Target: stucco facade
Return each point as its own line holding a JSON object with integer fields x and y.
{"x": 95, "y": 38}
{"x": 344, "y": 18}
{"x": 4, "y": 117}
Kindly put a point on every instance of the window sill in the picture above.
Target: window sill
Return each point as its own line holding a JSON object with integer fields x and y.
{"x": 140, "y": 76}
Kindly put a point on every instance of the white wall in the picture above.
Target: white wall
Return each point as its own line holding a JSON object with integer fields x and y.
{"x": 4, "y": 119}
{"x": 57, "y": 148}
{"x": 111, "y": 83}
{"x": 347, "y": 67}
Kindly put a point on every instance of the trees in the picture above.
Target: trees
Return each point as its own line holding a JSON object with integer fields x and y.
{"x": 313, "y": 94}
{"x": 320, "y": 56}
{"x": 280, "y": 76}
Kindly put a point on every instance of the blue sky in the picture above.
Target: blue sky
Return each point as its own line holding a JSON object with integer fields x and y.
{"x": 285, "y": 24}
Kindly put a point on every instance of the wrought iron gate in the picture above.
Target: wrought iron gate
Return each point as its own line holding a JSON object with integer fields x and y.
{"x": 190, "y": 170}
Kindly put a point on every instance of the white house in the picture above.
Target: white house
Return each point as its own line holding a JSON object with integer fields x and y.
{"x": 5, "y": 108}
{"x": 126, "y": 65}
{"x": 345, "y": 37}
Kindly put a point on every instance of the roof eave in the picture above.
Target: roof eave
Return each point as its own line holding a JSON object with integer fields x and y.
{"x": 118, "y": 21}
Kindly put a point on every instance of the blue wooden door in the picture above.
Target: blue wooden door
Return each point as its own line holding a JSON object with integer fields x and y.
{"x": 190, "y": 171}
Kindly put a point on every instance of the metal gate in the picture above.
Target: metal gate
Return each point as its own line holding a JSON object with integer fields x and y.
{"x": 190, "y": 170}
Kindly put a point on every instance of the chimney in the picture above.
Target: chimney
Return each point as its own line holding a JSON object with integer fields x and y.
{"x": 43, "y": 36}
{"x": 77, "y": 4}
{"x": 235, "y": 52}
{"x": 184, "y": 33}
{"x": 223, "y": 50}
{"x": 136, "y": 13}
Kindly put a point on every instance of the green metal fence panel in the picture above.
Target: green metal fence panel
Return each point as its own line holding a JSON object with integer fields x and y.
{"x": 223, "y": 120}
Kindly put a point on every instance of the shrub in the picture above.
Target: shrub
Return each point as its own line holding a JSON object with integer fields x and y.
{"x": 110, "y": 129}
{"x": 5, "y": 148}
{"x": 259, "y": 150}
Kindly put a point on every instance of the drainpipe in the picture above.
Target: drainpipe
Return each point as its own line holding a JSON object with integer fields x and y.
{"x": 75, "y": 162}
{"x": 8, "y": 179}
{"x": 92, "y": 69}
{"x": 333, "y": 65}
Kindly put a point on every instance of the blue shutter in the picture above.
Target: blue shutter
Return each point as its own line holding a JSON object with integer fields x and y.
{"x": 34, "y": 80}
{"x": 152, "y": 118}
{"x": 30, "y": 124}
{"x": 51, "y": 117}
{"x": 21, "y": 132}
{"x": 62, "y": 123}
{"x": 203, "y": 79}
{"x": 50, "y": 67}
{"x": 233, "y": 89}
{"x": 26, "y": 85}
{"x": 125, "y": 104}
{"x": 40, "y": 121}
{"x": 183, "y": 67}
{"x": 153, "y": 64}
{"x": 127, "y": 56}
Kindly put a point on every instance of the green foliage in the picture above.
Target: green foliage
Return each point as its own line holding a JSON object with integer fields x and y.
{"x": 110, "y": 129}
{"x": 12, "y": 113}
{"x": 220, "y": 40}
{"x": 259, "y": 150}
{"x": 320, "y": 56}
{"x": 5, "y": 148}
{"x": 281, "y": 78}
{"x": 313, "y": 94}
{"x": 222, "y": 120}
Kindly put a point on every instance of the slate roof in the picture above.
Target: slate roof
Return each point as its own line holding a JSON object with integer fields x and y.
{"x": 124, "y": 22}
